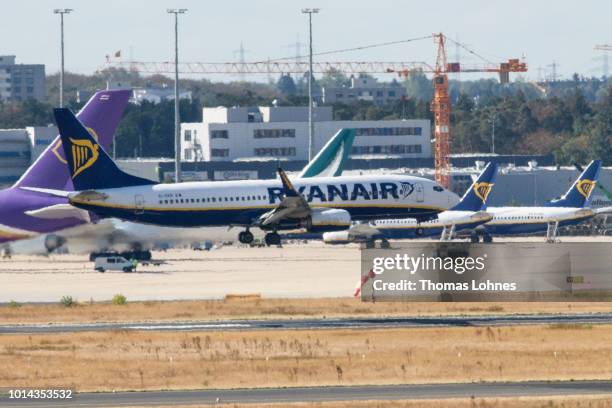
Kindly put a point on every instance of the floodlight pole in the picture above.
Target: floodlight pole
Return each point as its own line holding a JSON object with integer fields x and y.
{"x": 311, "y": 153}
{"x": 61, "y": 12}
{"x": 177, "y": 119}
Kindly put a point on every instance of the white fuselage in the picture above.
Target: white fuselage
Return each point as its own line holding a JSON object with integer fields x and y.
{"x": 242, "y": 202}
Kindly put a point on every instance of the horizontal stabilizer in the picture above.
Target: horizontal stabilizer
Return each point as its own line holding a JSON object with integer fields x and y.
{"x": 48, "y": 191}
{"x": 59, "y": 211}
{"x": 603, "y": 210}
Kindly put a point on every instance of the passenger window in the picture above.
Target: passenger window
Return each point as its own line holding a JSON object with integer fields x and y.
{"x": 111, "y": 260}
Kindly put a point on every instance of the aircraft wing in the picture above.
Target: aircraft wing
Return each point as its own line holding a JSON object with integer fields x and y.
{"x": 292, "y": 206}
{"x": 603, "y": 210}
{"x": 363, "y": 229}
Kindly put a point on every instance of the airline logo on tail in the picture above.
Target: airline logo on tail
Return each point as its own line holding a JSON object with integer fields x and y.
{"x": 57, "y": 149}
{"x": 84, "y": 155}
{"x": 482, "y": 190}
{"x": 585, "y": 187}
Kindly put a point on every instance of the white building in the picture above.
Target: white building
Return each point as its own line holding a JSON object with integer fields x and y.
{"x": 157, "y": 95}
{"x": 365, "y": 89}
{"x": 21, "y": 147}
{"x": 273, "y": 133}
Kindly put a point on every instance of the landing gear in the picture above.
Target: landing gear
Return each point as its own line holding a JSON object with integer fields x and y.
{"x": 447, "y": 233}
{"x": 245, "y": 237}
{"x": 384, "y": 244}
{"x": 487, "y": 238}
{"x": 551, "y": 232}
{"x": 474, "y": 237}
{"x": 272, "y": 238}
{"x": 370, "y": 243}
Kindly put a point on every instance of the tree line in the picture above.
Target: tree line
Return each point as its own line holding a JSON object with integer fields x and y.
{"x": 570, "y": 119}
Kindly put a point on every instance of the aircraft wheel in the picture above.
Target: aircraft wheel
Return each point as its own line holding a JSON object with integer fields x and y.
{"x": 245, "y": 237}
{"x": 385, "y": 244}
{"x": 370, "y": 243}
{"x": 272, "y": 238}
{"x": 487, "y": 238}
{"x": 474, "y": 238}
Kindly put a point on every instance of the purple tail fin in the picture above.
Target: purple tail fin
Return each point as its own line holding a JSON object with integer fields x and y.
{"x": 101, "y": 116}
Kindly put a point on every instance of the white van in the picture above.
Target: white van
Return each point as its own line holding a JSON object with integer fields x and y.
{"x": 113, "y": 263}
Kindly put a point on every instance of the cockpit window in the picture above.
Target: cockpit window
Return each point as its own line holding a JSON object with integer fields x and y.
{"x": 438, "y": 188}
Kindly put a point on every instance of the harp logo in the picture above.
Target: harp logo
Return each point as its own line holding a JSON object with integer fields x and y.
{"x": 585, "y": 187}
{"x": 57, "y": 149}
{"x": 482, "y": 190}
{"x": 406, "y": 188}
{"x": 84, "y": 155}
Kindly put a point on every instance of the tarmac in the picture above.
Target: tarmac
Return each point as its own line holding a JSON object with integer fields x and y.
{"x": 320, "y": 394}
{"x": 295, "y": 271}
{"x": 298, "y": 270}
{"x": 317, "y": 324}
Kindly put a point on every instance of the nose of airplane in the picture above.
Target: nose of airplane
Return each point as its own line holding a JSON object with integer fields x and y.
{"x": 452, "y": 199}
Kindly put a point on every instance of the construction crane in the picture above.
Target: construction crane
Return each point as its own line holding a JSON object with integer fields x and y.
{"x": 441, "y": 104}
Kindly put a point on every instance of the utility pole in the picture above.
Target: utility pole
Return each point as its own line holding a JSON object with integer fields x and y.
{"x": 61, "y": 12}
{"x": 310, "y": 12}
{"x": 493, "y": 118}
{"x": 241, "y": 53}
{"x": 177, "y": 119}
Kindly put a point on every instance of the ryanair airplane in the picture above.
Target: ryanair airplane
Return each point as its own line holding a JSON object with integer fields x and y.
{"x": 469, "y": 213}
{"x": 572, "y": 208}
{"x": 317, "y": 204}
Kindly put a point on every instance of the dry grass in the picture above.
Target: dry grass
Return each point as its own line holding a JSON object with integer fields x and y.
{"x": 126, "y": 360}
{"x": 271, "y": 308}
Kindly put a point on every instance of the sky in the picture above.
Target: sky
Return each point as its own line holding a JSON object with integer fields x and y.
{"x": 211, "y": 31}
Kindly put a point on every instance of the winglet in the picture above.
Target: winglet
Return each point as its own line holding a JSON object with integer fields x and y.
{"x": 288, "y": 189}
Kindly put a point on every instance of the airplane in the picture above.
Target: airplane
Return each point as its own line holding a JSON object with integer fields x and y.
{"x": 466, "y": 215}
{"x": 316, "y": 204}
{"x": 126, "y": 235}
{"x": 27, "y": 213}
{"x": 570, "y": 209}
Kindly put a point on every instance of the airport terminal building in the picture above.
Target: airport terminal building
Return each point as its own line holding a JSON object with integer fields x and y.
{"x": 281, "y": 133}
{"x": 19, "y": 148}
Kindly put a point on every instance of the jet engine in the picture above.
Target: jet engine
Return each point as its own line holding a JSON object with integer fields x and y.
{"x": 324, "y": 219}
{"x": 53, "y": 242}
{"x": 337, "y": 237}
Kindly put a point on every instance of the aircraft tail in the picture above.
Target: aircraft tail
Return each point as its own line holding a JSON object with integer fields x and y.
{"x": 100, "y": 115}
{"x": 579, "y": 194}
{"x": 89, "y": 165}
{"x": 475, "y": 198}
{"x": 330, "y": 161}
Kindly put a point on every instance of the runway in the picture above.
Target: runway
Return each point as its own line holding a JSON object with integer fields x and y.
{"x": 316, "y": 324}
{"x": 319, "y": 394}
